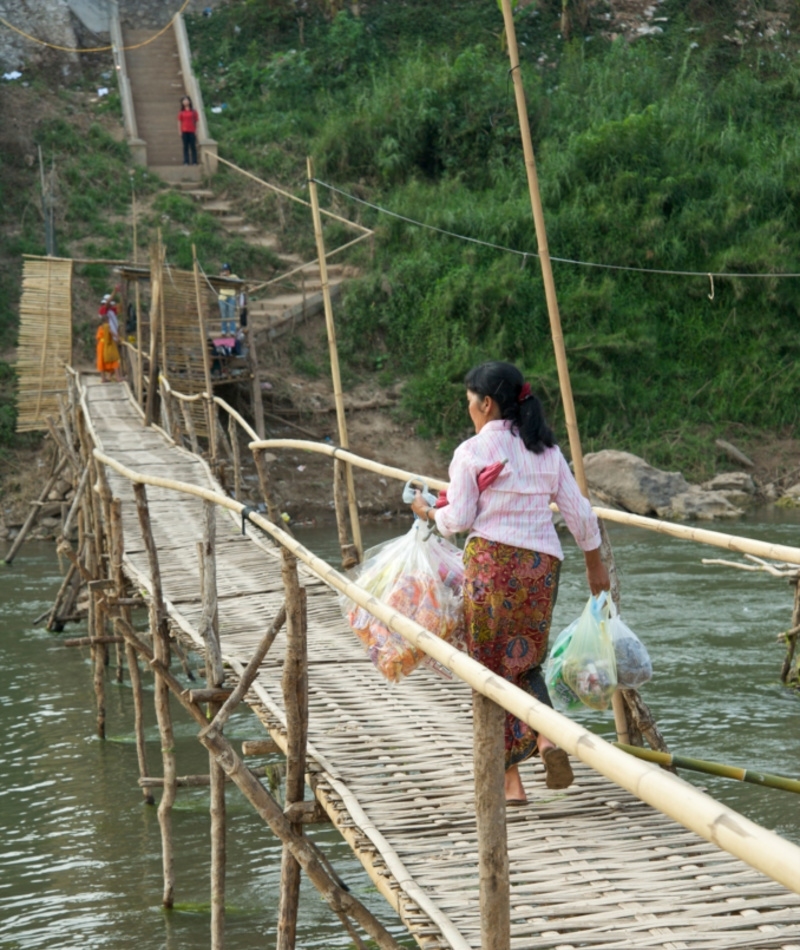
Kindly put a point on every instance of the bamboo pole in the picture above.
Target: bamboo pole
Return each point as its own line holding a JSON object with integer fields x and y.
{"x": 233, "y": 438}
{"x": 713, "y": 768}
{"x": 332, "y": 891}
{"x": 349, "y": 553}
{"x": 334, "y": 357}
{"x": 218, "y": 843}
{"x": 62, "y": 590}
{"x": 155, "y": 297}
{"x": 212, "y": 432}
{"x": 209, "y": 623}
{"x": 160, "y": 634}
{"x": 295, "y": 700}
{"x": 188, "y": 422}
{"x": 255, "y": 379}
{"x": 488, "y": 722}
{"x": 762, "y": 849}
{"x": 67, "y": 526}
{"x": 34, "y": 511}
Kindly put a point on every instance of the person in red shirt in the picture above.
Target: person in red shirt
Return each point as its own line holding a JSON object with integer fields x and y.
{"x": 187, "y": 126}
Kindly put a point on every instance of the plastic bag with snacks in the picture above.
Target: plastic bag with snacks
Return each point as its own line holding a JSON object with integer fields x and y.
{"x": 633, "y": 661}
{"x": 581, "y": 667}
{"x": 421, "y": 575}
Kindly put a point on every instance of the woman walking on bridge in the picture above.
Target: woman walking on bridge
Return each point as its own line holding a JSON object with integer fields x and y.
{"x": 513, "y": 556}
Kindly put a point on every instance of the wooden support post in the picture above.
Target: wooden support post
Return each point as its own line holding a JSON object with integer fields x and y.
{"x": 139, "y": 387}
{"x": 209, "y": 623}
{"x": 790, "y": 672}
{"x": 117, "y": 551}
{"x": 295, "y": 698}
{"x": 233, "y": 438}
{"x": 338, "y": 396}
{"x": 218, "y": 847}
{"x": 166, "y": 409}
{"x": 54, "y": 611}
{"x": 266, "y": 488}
{"x": 488, "y": 720}
{"x": 252, "y": 364}
{"x": 349, "y": 552}
{"x": 68, "y": 521}
{"x": 35, "y": 509}
{"x": 186, "y": 411}
{"x": 156, "y": 277}
{"x": 203, "y": 333}
{"x": 340, "y": 900}
{"x": 159, "y": 631}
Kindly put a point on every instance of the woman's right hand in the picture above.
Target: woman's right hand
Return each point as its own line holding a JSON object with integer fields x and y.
{"x": 596, "y": 572}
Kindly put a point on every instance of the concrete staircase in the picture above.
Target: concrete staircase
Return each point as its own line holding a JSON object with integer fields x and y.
{"x": 157, "y": 85}
{"x": 277, "y": 310}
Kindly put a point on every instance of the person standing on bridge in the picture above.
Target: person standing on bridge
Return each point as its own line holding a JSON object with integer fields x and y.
{"x": 107, "y": 337}
{"x": 187, "y": 129}
{"x": 513, "y": 556}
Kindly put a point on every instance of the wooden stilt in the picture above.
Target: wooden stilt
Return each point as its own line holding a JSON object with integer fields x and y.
{"x": 488, "y": 720}
{"x": 266, "y": 487}
{"x": 218, "y": 845}
{"x": 54, "y": 612}
{"x": 186, "y": 412}
{"x": 295, "y": 697}
{"x": 233, "y": 438}
{"x": 258, "y": 402}
{"x": 159, "y": 631}
{"x": 33, "y": 514}
{"x": 209, "y": 624}
{"x": 66, "y": 529}
{"x": 340, "y": 900}
{"x": 349, "y": 552}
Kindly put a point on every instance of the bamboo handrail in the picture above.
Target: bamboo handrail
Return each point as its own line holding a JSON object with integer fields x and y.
{"x": 762, "y": 849}
{"x": 731, "y": 542}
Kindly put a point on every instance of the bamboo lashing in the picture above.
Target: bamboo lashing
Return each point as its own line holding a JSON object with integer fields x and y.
{"x": 762, "y": 849}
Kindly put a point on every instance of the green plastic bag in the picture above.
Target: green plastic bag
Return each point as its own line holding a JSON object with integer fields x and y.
{"x": 589, "y": 667}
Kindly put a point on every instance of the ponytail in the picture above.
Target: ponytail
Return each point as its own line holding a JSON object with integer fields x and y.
{"x": 506, "y": 385}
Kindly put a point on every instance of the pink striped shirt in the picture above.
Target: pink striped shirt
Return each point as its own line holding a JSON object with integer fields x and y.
{"x": 515, "y": 508}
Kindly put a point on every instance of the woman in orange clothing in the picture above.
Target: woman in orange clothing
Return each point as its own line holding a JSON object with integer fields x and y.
{"x": 107, "y": 351}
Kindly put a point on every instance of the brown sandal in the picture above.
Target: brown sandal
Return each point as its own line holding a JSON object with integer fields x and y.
{"x": 557, "y": 770}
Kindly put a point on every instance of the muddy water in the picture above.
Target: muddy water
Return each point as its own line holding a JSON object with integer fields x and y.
{"x": 81, "y": 855}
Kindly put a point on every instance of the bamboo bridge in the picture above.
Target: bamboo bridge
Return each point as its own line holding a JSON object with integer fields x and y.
{"x": 629, "y": 856}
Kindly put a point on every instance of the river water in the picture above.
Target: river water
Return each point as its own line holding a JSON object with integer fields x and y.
{"x": 81, "y": 864}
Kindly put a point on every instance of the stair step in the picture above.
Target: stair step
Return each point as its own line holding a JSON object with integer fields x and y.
{"x": 218, "y": 206}
{"x": 199, "y": 194}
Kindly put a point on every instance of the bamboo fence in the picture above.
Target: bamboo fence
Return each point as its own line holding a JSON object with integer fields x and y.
{"x": 45, "y": 340}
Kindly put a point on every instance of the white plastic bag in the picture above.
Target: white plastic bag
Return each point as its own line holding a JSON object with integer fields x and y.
{"x": 633, "y": 661}
{"x": 421, "y": 575}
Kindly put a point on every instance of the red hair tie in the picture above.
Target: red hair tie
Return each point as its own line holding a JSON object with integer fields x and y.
{"x": 525, "y": 392}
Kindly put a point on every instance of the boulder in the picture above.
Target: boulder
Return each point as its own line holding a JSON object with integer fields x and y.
{"x": 738, "y": 487}
{"x": 630, "y": 482}
{"x": 793, "y": 491}
{"x": 699, "y": 504}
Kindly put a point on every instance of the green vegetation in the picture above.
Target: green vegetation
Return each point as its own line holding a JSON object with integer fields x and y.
{"x": 679, "y": 152}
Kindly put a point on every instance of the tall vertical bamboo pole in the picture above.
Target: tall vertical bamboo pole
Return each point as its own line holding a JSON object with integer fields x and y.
{"x": 295, "y": 698}
{"x": 212, "y": 429}
{"x": 155, "y": 297}
{"x": 488, "y": 721}
{"x": 218, "y": 843}
{"x": 255, "y": 379}
{"x": 233, "y": 438}
{"x": 139, "y": 380}
{"x": 117, "y": 551}
{"x": 160, "y": 633}
{"x": 565, "y": 383}
{"x": 355, "y": 527}
{"x": 209, "y": 628}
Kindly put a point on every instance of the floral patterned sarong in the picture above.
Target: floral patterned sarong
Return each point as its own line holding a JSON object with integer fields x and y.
{"x": 509, "y": 595}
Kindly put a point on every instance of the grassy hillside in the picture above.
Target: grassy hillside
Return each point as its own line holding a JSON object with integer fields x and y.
{"x": 679, "y": 152}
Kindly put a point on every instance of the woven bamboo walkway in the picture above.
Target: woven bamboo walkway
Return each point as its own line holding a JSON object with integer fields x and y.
{"x": 591, "y": 866}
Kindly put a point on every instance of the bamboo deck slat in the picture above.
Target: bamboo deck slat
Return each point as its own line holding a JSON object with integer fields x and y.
{"x": 591, "y": 866}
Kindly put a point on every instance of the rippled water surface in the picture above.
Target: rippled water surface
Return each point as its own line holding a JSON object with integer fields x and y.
{"x": 81, "y": 855}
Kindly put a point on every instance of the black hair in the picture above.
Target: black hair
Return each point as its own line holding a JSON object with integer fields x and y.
{"x": 189, "y": 98}
{"x": 504, "y": 382}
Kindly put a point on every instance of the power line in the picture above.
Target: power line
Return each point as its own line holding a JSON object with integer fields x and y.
{"x": 561, "y": 260}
